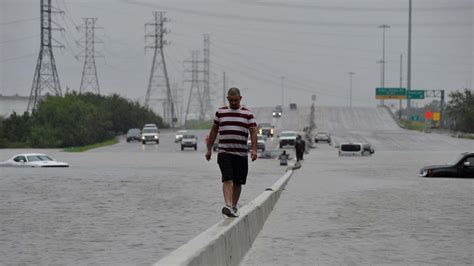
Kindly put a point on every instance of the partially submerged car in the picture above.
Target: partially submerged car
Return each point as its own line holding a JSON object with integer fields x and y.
{"x": 179, "y": 135}
{"x": 461, "y": 166}
{"x": 33, "y": 160}
{"x": 355, "y": 149}
{"x": 260, "y": 143}
{"x": 189, "y": 141}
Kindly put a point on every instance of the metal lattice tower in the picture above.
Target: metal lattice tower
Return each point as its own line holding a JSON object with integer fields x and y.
{"x": 208, "y": 109}
{"x": 195, "y": 99}
{"x": 89, "y": 80}
{"x": 159, "y": 74}
{"x": 46, "y": 74}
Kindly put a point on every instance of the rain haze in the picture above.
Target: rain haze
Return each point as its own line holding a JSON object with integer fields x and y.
{"x": 275, "y": 51}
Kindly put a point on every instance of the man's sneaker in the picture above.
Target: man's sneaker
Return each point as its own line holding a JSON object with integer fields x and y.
{"x": 236, "y": 211}
{"x": 228, "y": 211}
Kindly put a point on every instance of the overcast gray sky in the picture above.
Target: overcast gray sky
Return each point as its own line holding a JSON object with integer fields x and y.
{"x": 313, "y": 44}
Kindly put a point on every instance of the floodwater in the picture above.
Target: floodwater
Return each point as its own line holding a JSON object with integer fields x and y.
{"x": 119, "y": 205}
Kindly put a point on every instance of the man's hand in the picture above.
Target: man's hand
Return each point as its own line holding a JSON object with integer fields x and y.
{"x": 208, "y": 155}
{"x": 254, "y": 155}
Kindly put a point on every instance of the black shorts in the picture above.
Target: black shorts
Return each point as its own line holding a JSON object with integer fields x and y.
{"x": 233, "y": 167}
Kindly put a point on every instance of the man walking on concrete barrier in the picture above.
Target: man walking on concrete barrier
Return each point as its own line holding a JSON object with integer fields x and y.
{"x": 233, "y": 123}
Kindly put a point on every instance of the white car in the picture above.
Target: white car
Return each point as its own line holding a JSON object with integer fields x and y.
{"x": 355, "y": 149}
{"x": 189, "y": 141}
{"x": 287, "y": 138}
{"x": 179, "y": 135}
{"x": 33, "y": 160}
{"x": 322, "y": 136}
{"x": 260, "y": 143}
{"x": 150, "y": 134}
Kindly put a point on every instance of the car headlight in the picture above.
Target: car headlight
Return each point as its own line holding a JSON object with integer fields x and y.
{"x": 274, "y": 113}
{"x": 271, "y": 131}
{"x": 143, "y": 137}
{"x": 155, "y": 137}
{"x": 425, "y": 172}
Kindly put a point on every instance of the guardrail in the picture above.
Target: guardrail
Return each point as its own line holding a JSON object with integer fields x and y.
{"x": 227, "y": 242}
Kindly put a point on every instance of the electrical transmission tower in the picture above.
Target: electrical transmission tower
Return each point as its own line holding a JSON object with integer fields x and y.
{"x": 208, "y": 109}
{"x": 89, "y": 81}
{"x": 158, "y": 73}
{"x": 46, "y": 75}
{"x": 195, "y": 99}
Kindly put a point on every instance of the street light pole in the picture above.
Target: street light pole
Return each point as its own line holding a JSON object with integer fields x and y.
{"x": 282, "y": 91}
{"x": 409, "y": 55}
{"x": 383, "y": 27}
{"x": 350, "y": 88}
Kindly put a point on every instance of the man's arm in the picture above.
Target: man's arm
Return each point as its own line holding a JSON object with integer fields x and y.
{"x": 253, "y": 138}
{"x": 211, "y": 139}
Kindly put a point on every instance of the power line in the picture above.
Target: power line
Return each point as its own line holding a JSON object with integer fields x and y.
{"x": 18, "y": 21}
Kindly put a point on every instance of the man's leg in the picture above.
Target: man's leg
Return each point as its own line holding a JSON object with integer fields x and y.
{"x": 236, "y": 188}
{"x": 227, "y": 189}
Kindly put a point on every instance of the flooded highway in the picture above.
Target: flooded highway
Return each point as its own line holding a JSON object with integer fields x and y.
{"x": 132, "y": 204}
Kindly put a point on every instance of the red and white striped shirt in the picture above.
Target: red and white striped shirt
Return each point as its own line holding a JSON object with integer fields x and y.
{"x": 234, "y": 129}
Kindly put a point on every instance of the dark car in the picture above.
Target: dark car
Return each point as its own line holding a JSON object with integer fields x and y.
{"x": 462, "y": 166}
{"x": 133, "y": 134}
{"x": 278, "y": 111}
{"x": 266, "y": 129}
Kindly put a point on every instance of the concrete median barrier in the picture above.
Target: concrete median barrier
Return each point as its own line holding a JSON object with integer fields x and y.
{"x": 227, "y": 242}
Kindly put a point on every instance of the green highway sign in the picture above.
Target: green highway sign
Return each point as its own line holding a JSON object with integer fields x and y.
{"x": 416, "y": 94}
{"x": 390, "y": 93}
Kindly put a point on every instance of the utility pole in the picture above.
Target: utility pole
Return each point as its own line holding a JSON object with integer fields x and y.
{"x": 194, "y": 91}
{"x": 159, "y": 73}
{"x": 282, "y": 91}
{"x": 224, "y": 85}
{"x": 409, "y": 55}
{"x": 383, "y": 27}
{"x": 89, "y": 79}
{"x": 401, "y": 80}
{"x": 46, "y": 75}
{"x": 350, "y": 88}
{"x": 206, "y": 76}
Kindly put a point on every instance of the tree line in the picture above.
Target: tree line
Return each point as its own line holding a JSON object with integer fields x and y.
{"x": 74, "y": 120}
{"x": 460, "y": 110}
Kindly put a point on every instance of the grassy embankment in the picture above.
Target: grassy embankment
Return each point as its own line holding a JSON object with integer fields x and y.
{"x": 91, "y": 146}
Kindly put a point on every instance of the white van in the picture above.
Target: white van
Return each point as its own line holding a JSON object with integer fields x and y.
{"x": 355, "y": 149}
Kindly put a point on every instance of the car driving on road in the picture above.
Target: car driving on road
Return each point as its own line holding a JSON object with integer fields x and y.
{"x": 461, "y": 166}
{"x": 266, "y": 129}
{"x": 179, "y": 135}
{"x": 287, "y": 138}
{"x": 260, "y": 143}
{"x": 189, "y": 141}
{"x": 133, "y": 134}
{"x": 278, "y": 111}
{"x": 322, "y": 136}
{"x": 150, "y": 134}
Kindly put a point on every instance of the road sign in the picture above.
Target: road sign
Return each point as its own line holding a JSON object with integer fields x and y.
{"x": 415, "y": 118}
{"x": 390, "y": 93}
{"x": 416, "y": 94}
{"x": 436, "y": 116}
{"x": 428, "y": 115}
